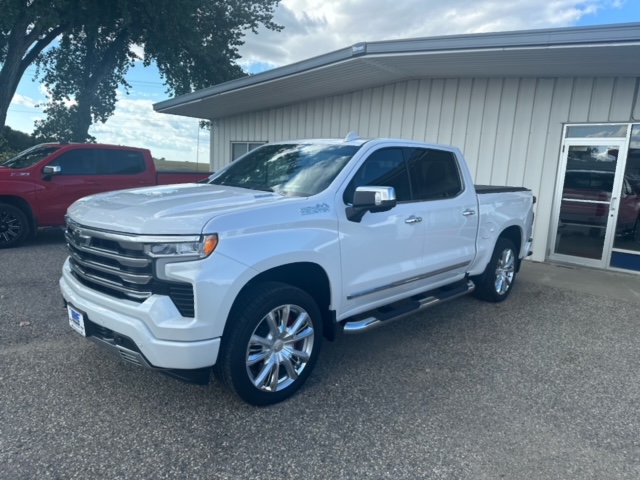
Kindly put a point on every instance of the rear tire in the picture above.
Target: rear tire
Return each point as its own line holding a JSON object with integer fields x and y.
{"x": 495, "y": 284}
{"x": 14, "y": 226}
{"x": 271, "y": 343}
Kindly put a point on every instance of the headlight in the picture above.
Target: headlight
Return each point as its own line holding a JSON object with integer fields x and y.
{"x": 183, "y": 250}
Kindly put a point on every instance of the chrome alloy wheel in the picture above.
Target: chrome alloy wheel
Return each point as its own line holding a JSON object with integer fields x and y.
{"x": 279, "y": 348}
{"x": 10, "y": 227}
{"x": 505, "y": 271}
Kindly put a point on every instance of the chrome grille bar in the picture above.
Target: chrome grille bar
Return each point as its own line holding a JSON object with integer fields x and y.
{"x": 138, "y": 295}
{"x": 129, "y": 277}
{"x": 122, "y": 259}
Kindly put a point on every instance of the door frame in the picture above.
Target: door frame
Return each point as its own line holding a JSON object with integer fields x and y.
{"x": 623, "y": 144}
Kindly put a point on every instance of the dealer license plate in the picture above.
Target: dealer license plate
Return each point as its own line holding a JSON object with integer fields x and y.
{"x": 76, "y": 320}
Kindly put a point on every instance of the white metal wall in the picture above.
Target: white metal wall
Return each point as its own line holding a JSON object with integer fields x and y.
{"x": 509, "y": 129}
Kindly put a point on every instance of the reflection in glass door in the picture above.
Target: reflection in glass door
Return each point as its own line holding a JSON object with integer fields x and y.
{"x": 626, "y": 246}
{"x": 585, "y": 205}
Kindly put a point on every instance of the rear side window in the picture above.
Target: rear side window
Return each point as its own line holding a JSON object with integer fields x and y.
{"x": 434, "y": 174}
{"x": 383, "y": 168}
{"x": 80, "y": 161}
{"x": 121, "y": 162}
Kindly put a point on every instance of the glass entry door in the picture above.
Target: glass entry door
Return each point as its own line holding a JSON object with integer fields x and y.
{"x": 585, "y": 209}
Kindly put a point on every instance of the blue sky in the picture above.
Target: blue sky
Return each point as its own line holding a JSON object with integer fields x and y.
{"x": 311, "y": 30}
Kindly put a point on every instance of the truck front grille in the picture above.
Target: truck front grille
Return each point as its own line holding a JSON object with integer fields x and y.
{"x": 119, "y": 268}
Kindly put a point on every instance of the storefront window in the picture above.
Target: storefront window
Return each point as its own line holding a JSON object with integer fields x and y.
{"x": 627, "y": 235}
{"x": 597, "y": 131}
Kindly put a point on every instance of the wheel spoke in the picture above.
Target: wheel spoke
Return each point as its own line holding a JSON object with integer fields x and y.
{"x": 307, "y": 332}
{"x": 302, "y": 356}
{"x": 260, "y": 380}
{"x": 298, "y": 324}
{"x": 273, "y": 324}
{"x": 257, "y": 357}
{"x": 284, "y": 318}
{"x": 275, "y": 374}
{"x": 261, "y": 341}
{"x": 288, "y": 366}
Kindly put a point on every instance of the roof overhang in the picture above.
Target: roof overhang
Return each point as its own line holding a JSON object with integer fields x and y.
{"x": 602, "y": 51}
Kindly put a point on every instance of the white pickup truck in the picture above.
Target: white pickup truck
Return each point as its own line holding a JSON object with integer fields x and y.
{"x": 294, "y": 242}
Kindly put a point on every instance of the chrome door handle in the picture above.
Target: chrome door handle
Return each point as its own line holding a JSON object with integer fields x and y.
{"x": 413, "y": 219}
{"x": 468, "y": 212}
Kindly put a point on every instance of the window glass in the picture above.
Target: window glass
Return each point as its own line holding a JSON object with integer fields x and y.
{"x": 434, "y": 174}
{"x": 383, "y": 168}
{"x": 597, "y": 131}
{"x": 298, "y": 170}
{"x": 29, "y": 157}
{"x": 121, "y": 162}
{"x": 238, "y": 149}
{"x": 77, "y": 162}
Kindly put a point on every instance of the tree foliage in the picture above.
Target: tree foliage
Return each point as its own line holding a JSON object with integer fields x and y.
{"x": 27, "y": 27}
{"x": 194, "y": 43}
{"x": 14, "y": 141}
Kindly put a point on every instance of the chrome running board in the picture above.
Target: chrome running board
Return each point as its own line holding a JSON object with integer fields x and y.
{"x": 378, "y": 317}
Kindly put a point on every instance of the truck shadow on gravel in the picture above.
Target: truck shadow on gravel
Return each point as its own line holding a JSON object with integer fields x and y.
{"x": 46, "y": 236}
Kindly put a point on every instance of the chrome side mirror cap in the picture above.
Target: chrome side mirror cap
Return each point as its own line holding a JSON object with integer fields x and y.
{"x": 371, "y": 199}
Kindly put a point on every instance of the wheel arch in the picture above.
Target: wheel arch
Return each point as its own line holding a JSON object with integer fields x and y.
{"x": 513, "y": 233}
{"x": 309, "y": 277}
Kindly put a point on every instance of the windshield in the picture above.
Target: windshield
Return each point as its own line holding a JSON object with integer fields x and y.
{"x": 29, "y": 157}
{"x": 298, "y": 170}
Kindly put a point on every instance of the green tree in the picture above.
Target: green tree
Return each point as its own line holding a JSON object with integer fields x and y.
{"x": 193, "y": 43}
{"x": 27, "y": 27}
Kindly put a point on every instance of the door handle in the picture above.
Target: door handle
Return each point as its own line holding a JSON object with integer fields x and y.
{"x": 413, "y": 219}
{"x": 468, "y": 212}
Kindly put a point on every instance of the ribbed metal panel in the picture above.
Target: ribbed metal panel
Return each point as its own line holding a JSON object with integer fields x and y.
{"x": 509, "y": 128}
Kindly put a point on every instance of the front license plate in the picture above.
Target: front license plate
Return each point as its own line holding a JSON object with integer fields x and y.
{"x": 76, "y": 321}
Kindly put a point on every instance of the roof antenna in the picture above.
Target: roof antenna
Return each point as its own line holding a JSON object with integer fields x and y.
{"x": 351, "y": 136}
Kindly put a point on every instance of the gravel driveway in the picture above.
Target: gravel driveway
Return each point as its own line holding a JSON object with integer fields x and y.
{"x": 545, "y": 385}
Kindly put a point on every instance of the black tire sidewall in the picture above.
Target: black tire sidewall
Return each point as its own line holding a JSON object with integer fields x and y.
{"x": 263, "y": 300}
{"x": 22, "y": 218}
{"x": 486, "y": 285}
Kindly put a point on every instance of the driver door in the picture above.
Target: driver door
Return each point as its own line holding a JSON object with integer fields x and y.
{"x": 383, "y": 251}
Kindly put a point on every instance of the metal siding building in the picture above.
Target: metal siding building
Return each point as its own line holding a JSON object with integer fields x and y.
{"x": 503, "y": 99}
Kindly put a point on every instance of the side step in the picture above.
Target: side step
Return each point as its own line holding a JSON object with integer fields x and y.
{"x": 414, "y": 305}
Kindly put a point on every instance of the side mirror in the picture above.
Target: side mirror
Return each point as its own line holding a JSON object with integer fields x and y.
{"x": 371, "y": 199}
{"x": 51, "y": 170}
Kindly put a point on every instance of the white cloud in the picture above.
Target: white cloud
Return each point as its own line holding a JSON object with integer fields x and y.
{"x": 24, "y": 101}
{"x": 312, "y": 29}
{"x": 138, "y": 51}
{"x": 135, "y": 123}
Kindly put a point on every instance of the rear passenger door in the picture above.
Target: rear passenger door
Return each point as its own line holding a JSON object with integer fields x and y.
{"x": 450, "y": 211}
{"x": 122, "y": 169}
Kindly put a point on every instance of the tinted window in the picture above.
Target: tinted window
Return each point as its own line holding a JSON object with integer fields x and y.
{"x": 121, "y": 162}
{"x": 383, "y": 168}
{"x": 77, "y": 162}
{"x": 434, "y": 174}
{"x": 589, "y": 180}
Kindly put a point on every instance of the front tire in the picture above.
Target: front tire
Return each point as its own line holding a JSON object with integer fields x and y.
{"x": 495, "y": 284}
{"x": 14, "y": 226}
{"x": 271, "y": 343}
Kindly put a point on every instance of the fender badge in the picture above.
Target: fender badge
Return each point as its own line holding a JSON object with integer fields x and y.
{"x": 318, "y": 208}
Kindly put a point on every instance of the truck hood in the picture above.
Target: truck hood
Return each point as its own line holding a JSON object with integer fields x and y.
{"x": 167, "y": 210}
